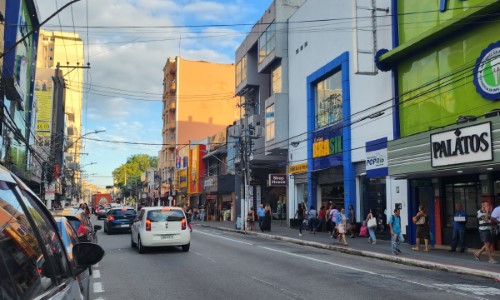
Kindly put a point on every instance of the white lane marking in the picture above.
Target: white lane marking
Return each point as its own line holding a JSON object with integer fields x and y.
{"x": 96, "y": 274}
{"x": 96, "y": 266}
{"x": 204, "y": 256}
{"x": 225, "y": 238}
{"x": 99, "y": 298}
{"x": 369, "y": 272}
{"x": 97, "y": 287}
{"x": 475, "y": 289}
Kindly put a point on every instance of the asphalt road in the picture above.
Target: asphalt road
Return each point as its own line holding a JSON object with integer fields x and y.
{"x": 222, "y": 265}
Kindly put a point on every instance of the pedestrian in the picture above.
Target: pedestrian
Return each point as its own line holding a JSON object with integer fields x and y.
{"x": 371, "y": 223}
{"x": 250, "y": 219}
{"x": 299, "y": 215}
{"x": 396, "y": 235}
{"x": 261, "y": 214}
{"x": 279, "y": 211}
{"x": 422, "y": 221}
{"x": 321, "y": 219}
{"x": 351, "y": 222}
{"x": 266, "y": 225}
{"x": 484, "y": 217}
{"x": 459, "y": 221}
{"x": 328, "y": 219}
{"x": 312, "y": 219}
{"x": 341, "y": 222}
{"x": 333, "y": 216}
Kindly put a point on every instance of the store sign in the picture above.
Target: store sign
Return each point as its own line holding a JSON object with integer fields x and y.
{"x": 277, "y": 179}
{"x": 462, "y": 145}
{"x": 376, "y": 158}
{"x": 327, "y": 148}
{"x": 487, "y": 72}
{"x": 298, "y": 168}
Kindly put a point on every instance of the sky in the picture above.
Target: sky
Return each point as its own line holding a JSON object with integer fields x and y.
{"x": 127, "y": 43}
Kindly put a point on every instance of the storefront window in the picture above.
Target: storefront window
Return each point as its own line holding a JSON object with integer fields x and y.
{"x": 373, "y": 193}
{"x": 333, "y": 193}
{"x": 328, "y": 100}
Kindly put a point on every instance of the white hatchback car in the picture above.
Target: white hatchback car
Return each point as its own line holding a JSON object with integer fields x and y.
{"x": 160, "y": 226}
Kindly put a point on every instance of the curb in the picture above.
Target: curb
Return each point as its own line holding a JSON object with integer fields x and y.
{"x": 376, "y": 255}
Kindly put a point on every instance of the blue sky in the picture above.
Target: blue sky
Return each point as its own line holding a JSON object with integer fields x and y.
{"x": 127, "y": 45}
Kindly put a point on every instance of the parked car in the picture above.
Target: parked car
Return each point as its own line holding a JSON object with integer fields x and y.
{"x": 98, "y": 208}
{"x": 119, "y": 219}
{"x": 80, "y": 223}
{"x": 70, "y": 239}
{"x": 35, "y": 263}
{"x": 160, "y": 226}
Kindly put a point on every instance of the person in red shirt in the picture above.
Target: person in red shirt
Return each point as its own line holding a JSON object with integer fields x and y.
{"x": 321, "y": 219}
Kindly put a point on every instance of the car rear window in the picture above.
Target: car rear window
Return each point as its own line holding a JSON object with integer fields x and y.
{"x": 165, "y": 215}
{"x": 123, "y": 213}
{"x": 75, "y": 223}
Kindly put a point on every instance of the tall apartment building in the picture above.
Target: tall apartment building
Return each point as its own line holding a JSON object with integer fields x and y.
{"x": 198, "y": 101}
{"x": 64, "y": 51}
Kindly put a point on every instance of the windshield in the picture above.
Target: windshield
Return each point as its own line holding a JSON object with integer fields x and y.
{"x": 165, "y": 215}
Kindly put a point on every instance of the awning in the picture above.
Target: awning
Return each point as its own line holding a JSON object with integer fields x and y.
{"x": 220, "y": 150}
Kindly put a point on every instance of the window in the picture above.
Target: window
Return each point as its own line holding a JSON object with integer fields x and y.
{"x": 165, "y": 215}
{"x": 328, "y": 100}
{"x": 276, "y": 80}
{"x": 50, "y": 57}
{"x": 123, "y": 213}
{"x": 241, "y": 70}
{"x": 267, "y": 42}
{"x": 24, "y": 255}
{"x": 270, "y": 129}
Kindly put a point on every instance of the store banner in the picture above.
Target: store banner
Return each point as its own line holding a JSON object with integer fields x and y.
{"x": 462, "y": 145}
{"x": 376, "y": 158}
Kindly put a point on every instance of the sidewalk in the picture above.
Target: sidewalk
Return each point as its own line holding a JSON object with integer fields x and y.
{"x": 436, "y": 259}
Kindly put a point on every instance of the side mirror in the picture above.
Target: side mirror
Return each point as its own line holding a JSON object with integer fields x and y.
{"x": 87, "y": 254}
{"x": 97, "y": 227}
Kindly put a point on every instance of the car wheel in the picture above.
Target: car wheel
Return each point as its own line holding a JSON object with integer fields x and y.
{"x": 140, "y": 247}
{"x": 185, "y": 248}
{"x": 132, "y": 244}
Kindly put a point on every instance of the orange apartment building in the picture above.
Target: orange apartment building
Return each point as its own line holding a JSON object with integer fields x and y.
{"x": 198, "y": 101}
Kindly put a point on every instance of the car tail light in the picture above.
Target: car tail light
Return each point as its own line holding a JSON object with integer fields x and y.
{"x": 148, "y": 225}
{"x": 111, "y": 218}
{"x": 183, "y": 223}
{"x": 82, "y": 231}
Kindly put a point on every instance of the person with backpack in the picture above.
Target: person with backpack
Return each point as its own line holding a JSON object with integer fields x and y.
{"x": 396, "y": 235}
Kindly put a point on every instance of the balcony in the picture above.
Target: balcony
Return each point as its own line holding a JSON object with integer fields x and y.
{"x": 172, "y": 105}
{"x": 171, "y": 124}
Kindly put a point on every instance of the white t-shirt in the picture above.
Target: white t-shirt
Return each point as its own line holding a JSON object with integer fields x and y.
{"x": 496, "y": 213}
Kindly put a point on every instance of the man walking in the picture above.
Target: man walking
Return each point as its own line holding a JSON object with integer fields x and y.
{"x": 484, "y": 217}
{"x": 396, "y": 235}
{"x": 458, "y": 229}
{"x": 261, "y": 213}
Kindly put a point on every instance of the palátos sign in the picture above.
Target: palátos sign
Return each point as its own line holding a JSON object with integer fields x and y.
{"x": 462, "y": 145}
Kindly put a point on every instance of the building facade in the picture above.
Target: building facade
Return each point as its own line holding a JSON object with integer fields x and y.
{"x": 448, "y": 110}
{"x": 262, "y": 84}
{"x": 18, "y": 104}
{"x": 62, "y": 52}
{"x": 198, "y": 101}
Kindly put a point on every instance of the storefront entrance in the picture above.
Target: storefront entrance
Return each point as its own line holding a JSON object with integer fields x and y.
{"x": 422, "y": 193}
{"x": 467, "y": 192}
{"x": 332, "y": 194}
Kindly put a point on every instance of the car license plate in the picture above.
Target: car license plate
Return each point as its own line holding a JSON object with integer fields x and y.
{"x": 126, "y": 225}
{"x": 167, "y": 236}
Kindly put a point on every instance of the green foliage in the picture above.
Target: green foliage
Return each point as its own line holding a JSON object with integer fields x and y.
{"x": 129, "y": 173}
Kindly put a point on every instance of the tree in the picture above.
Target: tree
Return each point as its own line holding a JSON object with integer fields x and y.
{"x": 131, "y": 171}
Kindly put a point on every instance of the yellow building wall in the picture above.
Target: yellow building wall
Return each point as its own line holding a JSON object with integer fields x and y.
{"x": 205, "y": 99}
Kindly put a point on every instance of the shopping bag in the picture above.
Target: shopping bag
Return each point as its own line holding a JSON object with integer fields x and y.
{"x": 363, "y": 232}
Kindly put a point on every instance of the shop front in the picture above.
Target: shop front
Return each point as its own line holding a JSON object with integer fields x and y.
{"x": 454, "y": 164}
{"x": 331, "y": 176}
{"x": 298, "y": 190}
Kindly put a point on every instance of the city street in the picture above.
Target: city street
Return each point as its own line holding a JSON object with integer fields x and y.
{"x": 222, "y": 265}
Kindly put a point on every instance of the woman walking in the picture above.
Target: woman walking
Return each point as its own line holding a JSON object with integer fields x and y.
{"x": 299, "y": 215}
{"x": 321, "y": 219}
{"x": 313, "y": 214}
{"x": 371, "y": 228}
{"x": 351, "y": 221}
{"x": 267, "y": 218}
{"x": 422, "y": 222}
{"x": 341, "y": 226}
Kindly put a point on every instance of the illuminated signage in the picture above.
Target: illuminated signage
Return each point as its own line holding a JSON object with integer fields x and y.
{"x": 298, "y": 168}
{"x": 324, "y": 147}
